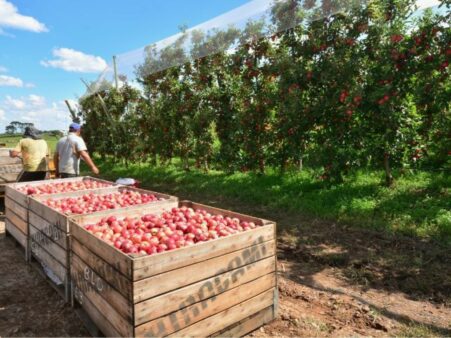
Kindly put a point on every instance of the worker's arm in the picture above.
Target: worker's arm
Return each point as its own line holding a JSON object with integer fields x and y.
{"x": 85, "y": 156}
{"x": 16, "y": 152}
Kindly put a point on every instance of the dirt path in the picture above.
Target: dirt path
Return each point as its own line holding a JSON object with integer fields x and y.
{"x": 333, "y": 281}
{"x": 29, "y": 307}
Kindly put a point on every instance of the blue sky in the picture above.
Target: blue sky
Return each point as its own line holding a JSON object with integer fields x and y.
{"x": 41, "y": 42}
{"x": 46, "y": 46}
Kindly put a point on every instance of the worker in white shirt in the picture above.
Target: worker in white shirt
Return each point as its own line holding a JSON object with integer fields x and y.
{"x": 68, "y": 152}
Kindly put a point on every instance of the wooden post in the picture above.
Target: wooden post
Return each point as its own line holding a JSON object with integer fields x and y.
{"x": 73, "y": 114}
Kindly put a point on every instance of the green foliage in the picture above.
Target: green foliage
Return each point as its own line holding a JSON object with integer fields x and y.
{"x": 368, "y": 86}
{"x": 418, "y": 204}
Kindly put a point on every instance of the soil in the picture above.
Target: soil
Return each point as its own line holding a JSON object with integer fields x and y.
{"x": 333, "y": 281}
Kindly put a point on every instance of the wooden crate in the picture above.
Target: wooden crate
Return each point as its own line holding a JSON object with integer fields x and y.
{"x": 50, "y": 232}
{"x": 6, "y": 159}
{"x": 226, "y": 285}
{"x": 16, "y": 208}
{"x": 10, "y": 169}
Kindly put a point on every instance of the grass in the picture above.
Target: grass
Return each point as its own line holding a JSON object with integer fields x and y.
{"x": 419, "y": 204}
{"x": 11, "y": 141}
{"x": 421, "y": 330}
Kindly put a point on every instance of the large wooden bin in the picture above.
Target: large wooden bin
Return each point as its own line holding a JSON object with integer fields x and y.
{"x": 10, "y": 169}
{"x": 15, "y": 225}
{"x": 50, "y": 235}
{"x": 226, "y": 286}
{"x": 16, "y": 208}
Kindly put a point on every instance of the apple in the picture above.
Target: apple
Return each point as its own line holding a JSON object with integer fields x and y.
{"x": 91, "y": 202}
{"x": 151, "y": 234}
{"x": 60, "y": 187}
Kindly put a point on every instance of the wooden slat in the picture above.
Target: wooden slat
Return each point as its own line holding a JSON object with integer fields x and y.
{"x": 183, "y": 297}
{"x": 99, "y": 318}
{"x": 209, "y": 307}
{"x": 16, "y": 195}
{"x": 16, "y": 233}
{"x": 19, "y": 210}
{"x": 120, "y": 324}
{"x": 43, "y": 256}
{"x": 86, "y": 279}
{"x": 54, "y": 250}
{"x": 174, "y": 279}
{"x": 50, "y": 215}
{"x": 9, "y": 177}
{"x": 228, "y": 317}
{"x": 249, "y": 324}
{"x": 148, "y": 266}
{"x": 16, "y": 220}
{"x": 50, "y": 230}
{"x": 5, "y": 151}
{"x": 10, "y": 161}
{"x": 103, "y": 269}
{"x": 108, "y": 253}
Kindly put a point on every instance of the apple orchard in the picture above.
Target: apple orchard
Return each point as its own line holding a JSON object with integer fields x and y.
{"x": 369, "y": 87}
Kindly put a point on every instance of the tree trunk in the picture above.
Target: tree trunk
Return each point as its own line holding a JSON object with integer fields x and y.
{"x": 388, "y": 174}
{"x": 283, "y": 166}
{"x": 301, "y": 164}
{"x": 185, "y": 162}
{"x": 261, "y": 166}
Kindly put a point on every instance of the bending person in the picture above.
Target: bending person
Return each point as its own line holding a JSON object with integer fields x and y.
{"x": 34, "y": 152}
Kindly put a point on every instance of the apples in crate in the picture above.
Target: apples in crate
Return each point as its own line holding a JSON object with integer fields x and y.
{"x": 150, "y": 234}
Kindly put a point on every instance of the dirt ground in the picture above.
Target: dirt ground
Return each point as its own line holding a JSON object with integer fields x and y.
{"x": 333, "y": 281}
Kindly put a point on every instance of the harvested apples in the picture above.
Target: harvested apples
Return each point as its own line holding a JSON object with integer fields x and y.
{"x": 60, "y": 187}
{"x": 91, "y": 202}
{"x": 174, "y": 229}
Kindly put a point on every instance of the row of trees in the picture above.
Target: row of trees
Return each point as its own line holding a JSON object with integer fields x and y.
{"x": 17, "y": 127}
{"x": 365, "y": 87}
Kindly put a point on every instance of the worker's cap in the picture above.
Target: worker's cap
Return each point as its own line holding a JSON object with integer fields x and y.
{"x": 74, "y": 126}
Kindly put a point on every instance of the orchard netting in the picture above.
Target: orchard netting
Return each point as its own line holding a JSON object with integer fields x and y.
{"x": 250, "y": 22}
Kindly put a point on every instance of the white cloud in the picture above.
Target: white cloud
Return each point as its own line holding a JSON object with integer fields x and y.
{"x": 3, "y": 69}
{"x": 14, "y": 103}
{"x": 36, "y": 100}
{"x": 11, "y": 18}
{"x": 10, "y": 81}
{"x": 75, "y": 61}
{"x": 35, "y": 109}
{"x": 422, "y": 4}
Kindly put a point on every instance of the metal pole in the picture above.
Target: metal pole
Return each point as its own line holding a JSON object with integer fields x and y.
{"x": 115, "y": 72}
